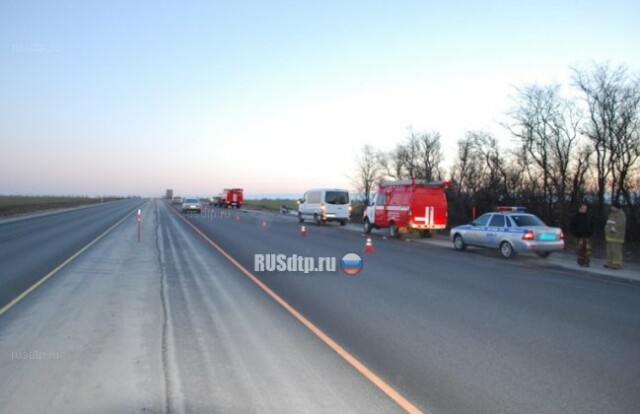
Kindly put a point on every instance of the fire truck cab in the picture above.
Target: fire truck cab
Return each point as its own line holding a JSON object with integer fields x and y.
{"x": 406, "y": 206}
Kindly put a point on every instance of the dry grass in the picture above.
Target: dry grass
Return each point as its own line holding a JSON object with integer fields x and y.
{"x": 271, "y": 204}
{"x": 10, "y": 205}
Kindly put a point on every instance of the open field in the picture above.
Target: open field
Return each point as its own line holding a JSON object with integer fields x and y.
{"x": 271, "y": 204}
{"x": 10, "y": 205}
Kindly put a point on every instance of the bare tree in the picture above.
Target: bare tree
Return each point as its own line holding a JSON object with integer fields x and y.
{"x": 467, "y": 176}
{"x": 410, "y": 151}
{"x": 367, "y": 171}
{"x": 547, "y": 125}
{"x": 466, "y": 172}
{"x": 429, "y": 155}
{"x": 612, "y": 98}
{"x": 581, "y": 167}
{"x": 485, "y": 173}
{"x": 419, "y": 156}
{"x": 392, "y": 164}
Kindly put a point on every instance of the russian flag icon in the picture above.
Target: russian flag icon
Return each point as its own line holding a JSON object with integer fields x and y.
{"x": 351, "y": 264}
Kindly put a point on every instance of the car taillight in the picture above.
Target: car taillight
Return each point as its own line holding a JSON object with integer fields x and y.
{"x": 561, "y": 235}
{"x": 528, "y": 235}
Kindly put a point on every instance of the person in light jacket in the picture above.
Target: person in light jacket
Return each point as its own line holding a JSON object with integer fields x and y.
{"x": 614, "y": 232}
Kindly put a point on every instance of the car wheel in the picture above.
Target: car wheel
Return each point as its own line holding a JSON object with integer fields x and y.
{"x": 506, "y": 250}
{"x": 393, "y": 231}
{"x": 343, "y": 222}
{"x": 300, "y": 219}
{"x": 425, "y": 234}
{"x": 316, "y": 219}
{"x": 367, "y": 226}
{"x": 458, "y": 242}
{"x": 544, "y": 255}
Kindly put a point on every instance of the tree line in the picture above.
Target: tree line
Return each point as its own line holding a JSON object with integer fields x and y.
{"x": 567, "y": 149}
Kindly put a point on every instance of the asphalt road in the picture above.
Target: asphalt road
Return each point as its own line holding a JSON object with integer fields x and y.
{"x": 457, "y": 332}
{"x": 171, "y": 325}
{"x": 166, "y": 326}
{"x": 31, "y": 247}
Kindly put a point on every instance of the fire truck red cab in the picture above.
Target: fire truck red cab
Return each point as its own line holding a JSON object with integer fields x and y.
{"x": 407, "y": 206}
{"x": 231, "y": 197}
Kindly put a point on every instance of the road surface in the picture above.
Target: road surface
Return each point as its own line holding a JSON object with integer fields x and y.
{"x": 172, "y": 325}
{"x": 30, "y": 247}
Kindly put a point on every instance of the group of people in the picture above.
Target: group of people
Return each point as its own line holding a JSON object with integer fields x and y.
{"x": 583, "y": 228}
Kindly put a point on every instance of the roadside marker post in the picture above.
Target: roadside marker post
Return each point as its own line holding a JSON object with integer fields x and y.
{"x": 139, "y": 216}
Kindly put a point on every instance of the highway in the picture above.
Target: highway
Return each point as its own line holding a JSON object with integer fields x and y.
{"x": 182, "y": 322}
{"x": 33, "y": 246}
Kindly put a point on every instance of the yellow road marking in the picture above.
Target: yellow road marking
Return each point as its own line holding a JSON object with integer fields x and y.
{"x": 353, "y": 361}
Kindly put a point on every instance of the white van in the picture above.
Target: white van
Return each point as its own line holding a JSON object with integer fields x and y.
{"x": 325, "y": 204}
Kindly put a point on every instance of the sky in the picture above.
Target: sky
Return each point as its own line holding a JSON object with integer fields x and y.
{"x": 134, "y": 97}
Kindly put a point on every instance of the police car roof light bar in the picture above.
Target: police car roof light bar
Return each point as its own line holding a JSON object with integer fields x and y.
{"x": 508, "y": 208}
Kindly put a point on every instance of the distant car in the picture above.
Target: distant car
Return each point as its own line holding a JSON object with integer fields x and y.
{"x": 511, "y": 230}
{"x": 176, "y": 200}
{"x": 192, "y": 205}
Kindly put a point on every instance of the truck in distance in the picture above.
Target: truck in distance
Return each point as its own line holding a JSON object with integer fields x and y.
{"x": 231, "y": 197}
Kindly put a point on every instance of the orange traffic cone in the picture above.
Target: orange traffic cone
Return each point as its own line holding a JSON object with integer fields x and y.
{"x": 303, "y": 231}
{"x": 264, "y": 224}
{"x": 368, "y": 248}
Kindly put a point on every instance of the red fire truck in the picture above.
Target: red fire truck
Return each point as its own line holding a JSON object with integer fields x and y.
{"x": 231, "y": 197}
{"x": 407, "y": 206}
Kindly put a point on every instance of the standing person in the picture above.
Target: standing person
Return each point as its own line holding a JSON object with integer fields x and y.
{"x": 614, "y": 232}
{"x": 582, "y": 229}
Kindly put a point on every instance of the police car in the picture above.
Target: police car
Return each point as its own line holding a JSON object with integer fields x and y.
{"x": 511, "y": 230}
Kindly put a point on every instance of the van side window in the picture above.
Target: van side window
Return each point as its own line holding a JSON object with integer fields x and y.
{"x": 313, "y": 197}
{"x": 380, "y": 199}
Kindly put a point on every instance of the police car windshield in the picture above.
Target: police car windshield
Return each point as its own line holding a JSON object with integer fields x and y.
{"x": 526, "y": 220}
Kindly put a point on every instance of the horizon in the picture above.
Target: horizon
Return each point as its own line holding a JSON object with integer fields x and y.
{"x": 277, "y": 98}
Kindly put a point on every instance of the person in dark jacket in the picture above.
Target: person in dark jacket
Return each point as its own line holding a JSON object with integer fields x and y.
{"x": 582, "y": 228}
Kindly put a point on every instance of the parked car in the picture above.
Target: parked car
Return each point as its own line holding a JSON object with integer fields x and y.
{"x": 512, "y": 231}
